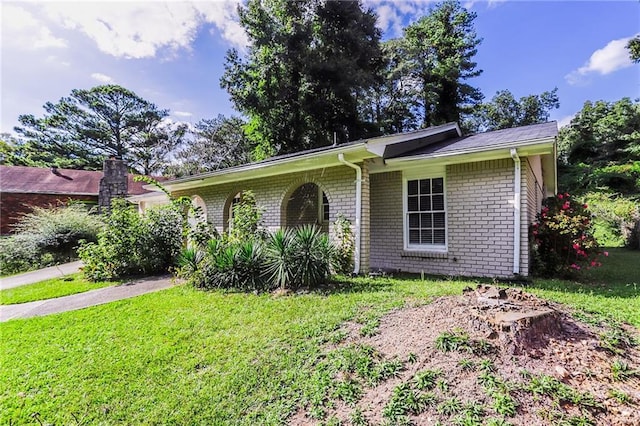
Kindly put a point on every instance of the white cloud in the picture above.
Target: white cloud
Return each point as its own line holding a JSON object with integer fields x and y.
{"x": 102, "y": 78}
{"x": 565, "y": 121}
{"x": 614, "y": 56}
{"x": 394, "y": 15}
{"x": 55, "y": 61}
{"x": 143, "y": 29}
{"x": 22, "y": 30}
{"x": 182, "y": 114}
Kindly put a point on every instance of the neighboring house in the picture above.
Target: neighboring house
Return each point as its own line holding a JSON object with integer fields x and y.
{"x": 22, "y": 188}
{"x": 430, "y": 200}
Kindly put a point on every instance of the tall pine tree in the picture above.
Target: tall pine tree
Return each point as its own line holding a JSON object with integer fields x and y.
{"x": 436, "y": 59}
{"x": 307, "y": 66}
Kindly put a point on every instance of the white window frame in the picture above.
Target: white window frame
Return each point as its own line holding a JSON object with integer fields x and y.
{"x": 417, "y": 175}
{"x": 321, "y": 204}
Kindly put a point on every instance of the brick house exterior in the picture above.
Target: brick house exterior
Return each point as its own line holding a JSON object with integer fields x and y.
{"x": 23, "y": 188}
{"x": 427, "y": 201}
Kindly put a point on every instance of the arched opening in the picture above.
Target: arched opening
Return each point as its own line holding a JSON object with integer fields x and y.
{"x": 308, "y": 204}
{"x": 199, "y": 211}
{"x": 227, "y": 215}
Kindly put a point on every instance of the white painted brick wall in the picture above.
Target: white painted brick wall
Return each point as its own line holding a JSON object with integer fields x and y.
{"x": 338, "y": 184}
{"x": 480, "y": 223}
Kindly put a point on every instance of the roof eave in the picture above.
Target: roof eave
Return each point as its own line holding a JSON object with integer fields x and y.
{"x": 311, "y": 161}
{"x": 541, "y": 142}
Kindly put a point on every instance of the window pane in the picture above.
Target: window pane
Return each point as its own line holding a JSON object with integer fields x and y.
{"x": 425, "y": 186}
{"x": 412, "y": 204}
{"x": 427, "y": 237}
{"x": 438, "y": 202}
{"x": 425, "y": 203}
{"x": 426, "y": 220}
{"x": 438, "y": 220}
{"x": 438, "y": 236}
{"x": 414, "y": 237}
{"x": 414, "y": 220}
{"x": 412, "y": 187}
{"x": 437, "y": 186}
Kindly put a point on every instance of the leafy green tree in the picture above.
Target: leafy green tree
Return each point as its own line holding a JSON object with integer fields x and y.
{"x": 504, "y": 111}
{"x": 392, "y": 105}
{"x": 108, "y": 120}
{"x": 436, "y": 58}
{"x": 634, "y": 48}
{"x": 307, "y": 65}
{"x": 151, "y": 147}
{"x": 213, "y": 144}
{"x": 601, "y": 148}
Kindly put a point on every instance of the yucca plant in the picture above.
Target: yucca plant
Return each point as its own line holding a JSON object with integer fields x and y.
{"x": 189, "y": 261}
{"x": 312, "y": 256}
{"x": 280, "y": 258}
{"x": 225, "y": 272}
{"x": 249, "y": 265}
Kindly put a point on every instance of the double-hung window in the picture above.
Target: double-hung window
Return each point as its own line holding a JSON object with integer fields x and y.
{"x": 425, "y": 221}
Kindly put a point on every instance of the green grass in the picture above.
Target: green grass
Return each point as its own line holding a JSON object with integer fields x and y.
{"x": 56, "y": 287}
{"x": 182, "y": 356}
{"x": 612, "y": 290}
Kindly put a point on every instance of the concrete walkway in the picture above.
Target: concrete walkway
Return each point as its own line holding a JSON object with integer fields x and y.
{"x": 40, "y": 275}
{"x": 84, "y": 300}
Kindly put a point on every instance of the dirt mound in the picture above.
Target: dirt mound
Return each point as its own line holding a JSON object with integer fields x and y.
{"x": 490, "y": 356}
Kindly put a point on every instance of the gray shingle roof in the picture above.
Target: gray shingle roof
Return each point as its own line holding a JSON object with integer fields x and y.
{"x": 489, "y": 140}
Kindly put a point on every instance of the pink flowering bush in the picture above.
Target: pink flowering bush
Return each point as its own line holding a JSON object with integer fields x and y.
{"x": 563, "y": 243}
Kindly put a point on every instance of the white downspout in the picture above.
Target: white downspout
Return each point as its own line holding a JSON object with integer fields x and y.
{"x": 517, "y": 180}
{"x": 356, "y": 262}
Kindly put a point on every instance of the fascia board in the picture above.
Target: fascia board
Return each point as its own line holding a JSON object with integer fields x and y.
{"x": 377, "y": 145}
{"x": 311, "y": 161}
{"x": 151, "y": 196}
{"x": 533, "y": 147}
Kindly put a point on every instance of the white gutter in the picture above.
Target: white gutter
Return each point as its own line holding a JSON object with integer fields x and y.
{"x": 356, "y": 262}
{"x": 517, "y": 180}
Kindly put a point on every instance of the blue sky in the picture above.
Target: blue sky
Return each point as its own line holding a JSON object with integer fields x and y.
{"x": 172, "y": 53}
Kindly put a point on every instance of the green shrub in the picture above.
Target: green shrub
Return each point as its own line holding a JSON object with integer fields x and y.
{"x": 286, "y": 259}
{"x": 48, "y": 236}
{"x": 20, "y": 253}
{"x": 134, "y": 244}
{"x": 615, "y": 219}
{"x": 246, "y": 220}
{"x": 280, "y": 253}
{"x": 249, "y": 262}
{"x": 563, "y": 243}
{"x": 345, "y": 245}
{"x": 313, "y": 253}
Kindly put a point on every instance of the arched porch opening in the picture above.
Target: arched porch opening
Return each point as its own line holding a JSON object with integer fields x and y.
{"x": 199, "y": 211}
{"x": 307, "y": 204}
{"x": 227, "y": 214}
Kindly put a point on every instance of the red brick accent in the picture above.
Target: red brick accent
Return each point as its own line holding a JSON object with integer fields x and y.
{"x": 14, "y": 205}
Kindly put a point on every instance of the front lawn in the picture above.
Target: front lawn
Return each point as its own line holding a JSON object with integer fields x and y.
{"x": 183, "y": 356}
{"x": 613, "y": 289}
{"x": 56, "y": 287}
